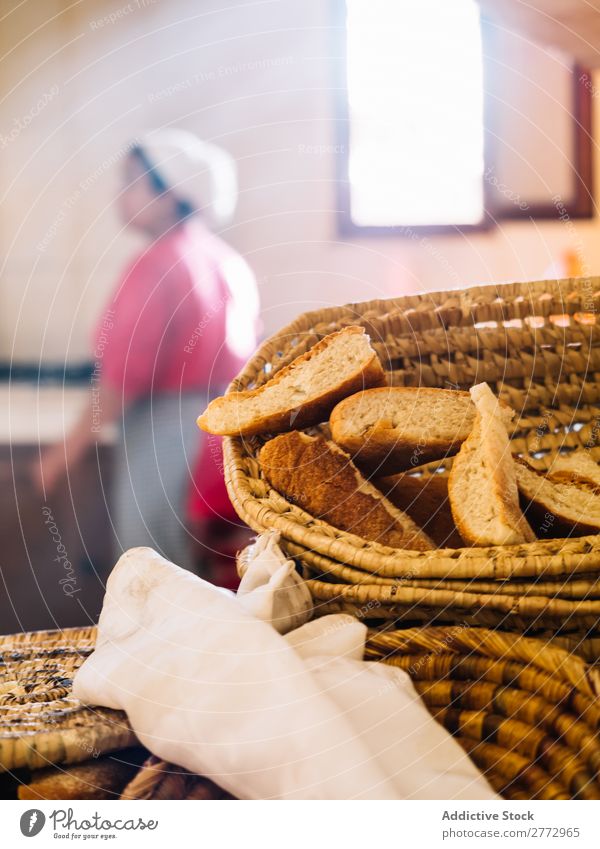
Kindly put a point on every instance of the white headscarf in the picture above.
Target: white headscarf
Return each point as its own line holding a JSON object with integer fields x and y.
{"x": 196, "y": 171}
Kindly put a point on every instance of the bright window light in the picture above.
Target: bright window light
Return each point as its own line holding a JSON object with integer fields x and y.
{"x": 415, "y": 97}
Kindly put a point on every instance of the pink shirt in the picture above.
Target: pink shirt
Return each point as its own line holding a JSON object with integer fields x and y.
{"x": 183, "y": 317}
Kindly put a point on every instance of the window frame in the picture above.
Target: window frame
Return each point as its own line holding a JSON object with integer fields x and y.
{"x": 579, "y": 205}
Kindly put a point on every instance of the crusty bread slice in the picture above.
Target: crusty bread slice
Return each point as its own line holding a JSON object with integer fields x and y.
{"x": 304, "y": 392}
{"x": 578, "y": 467}
{"x": 394, "y": 428}
{"x": 425, "y": 499}
{"x": 316, "y": 474}
{"x": 555, "y": 507}
{"x": 482, "y": 486}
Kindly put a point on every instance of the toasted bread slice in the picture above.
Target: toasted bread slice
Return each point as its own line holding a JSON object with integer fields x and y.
{"x": 558, "y": 507}
{"x": 578, "y": 468}
{"x": 482, "y": 485}
{"x": 425, "y": 499}
{"x": 394, "y": 428}
{"x": 316, "y": 474}
{"x": 303, "y": 393}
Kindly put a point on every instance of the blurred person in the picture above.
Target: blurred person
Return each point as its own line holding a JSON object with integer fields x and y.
{"x": 180, "y": 324}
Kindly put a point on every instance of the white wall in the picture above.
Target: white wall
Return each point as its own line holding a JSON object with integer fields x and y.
{"x": 255, "y": 77}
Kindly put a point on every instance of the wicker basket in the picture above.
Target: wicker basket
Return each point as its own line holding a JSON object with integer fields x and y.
{"x": 538, "y": 347}
{"x": 526, "y": 712}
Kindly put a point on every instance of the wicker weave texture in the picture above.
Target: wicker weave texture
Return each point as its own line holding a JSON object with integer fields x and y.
{"x": 525, "y": 711}
{"x": 41, "y": 723}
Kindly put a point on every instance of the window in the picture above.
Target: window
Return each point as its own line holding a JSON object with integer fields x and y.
{"x": 415, "y": 97}
{"x": 443, "y": 129}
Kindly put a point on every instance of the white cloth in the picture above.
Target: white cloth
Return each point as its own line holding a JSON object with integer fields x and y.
{"x": 210, "y": 687}
{"x": 416, "y": 754}
{"x": 271, "y": 588}
{"x": 196, "y": 171}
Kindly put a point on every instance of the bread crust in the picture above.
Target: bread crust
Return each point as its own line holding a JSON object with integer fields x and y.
{"x": 319, "y": 477}
{"x": 386, "y": 449}
{"x": 578, "y": 468}
{"x": 310, "y": 412}
{"x": 543, "y": 505}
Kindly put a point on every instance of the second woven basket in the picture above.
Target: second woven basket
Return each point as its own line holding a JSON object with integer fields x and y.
{"x": 526, "y": 712}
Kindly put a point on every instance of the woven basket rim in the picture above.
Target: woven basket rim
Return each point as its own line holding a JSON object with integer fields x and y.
{"x": 79, "y": 631}
{"x": 358, "y": 310}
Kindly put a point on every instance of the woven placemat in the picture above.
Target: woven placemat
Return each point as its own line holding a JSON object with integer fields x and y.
{"x": 41, "y": 723}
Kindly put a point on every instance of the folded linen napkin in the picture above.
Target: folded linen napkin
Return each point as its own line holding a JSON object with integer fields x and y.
{"x": 416, "y": 754}
{"x": 213, "y": 688}
{"x": 271, "y": 588}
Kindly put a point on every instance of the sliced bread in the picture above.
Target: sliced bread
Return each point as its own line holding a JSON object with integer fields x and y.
{"x": 393, "y": 429}
{"x": 319, "y": 477}
{"x": 425, "y": 498}
{"x": 482, "y": 485}
{"x": 303, "y": 393}
{"x": 557, "y": 507}
{"x": 578, "y": 467}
